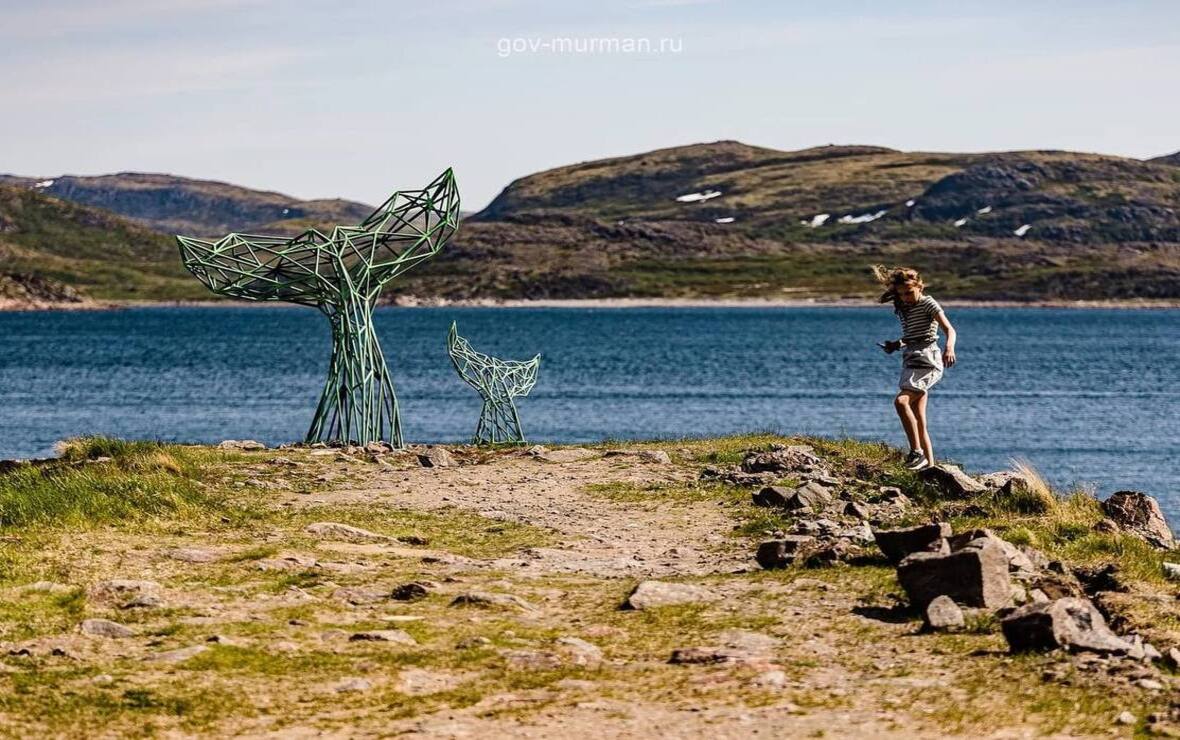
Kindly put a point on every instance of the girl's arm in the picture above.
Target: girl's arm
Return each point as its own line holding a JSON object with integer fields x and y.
{"x": 948, "y": 355}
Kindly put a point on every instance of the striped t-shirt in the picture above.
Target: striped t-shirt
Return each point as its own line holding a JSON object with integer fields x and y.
{"x": 918, "y": 321}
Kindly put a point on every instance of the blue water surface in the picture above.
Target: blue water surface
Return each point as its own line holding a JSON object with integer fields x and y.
{"x": 1088, "y": 396}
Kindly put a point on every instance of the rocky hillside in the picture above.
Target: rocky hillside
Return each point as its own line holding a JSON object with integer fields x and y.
{"x": 180, "y": 205}
{"x": 1173, "y": 159}
{"x": 56, "y": 252}
{"x": 727, "y": 219}
{"x": 718, "y": 220}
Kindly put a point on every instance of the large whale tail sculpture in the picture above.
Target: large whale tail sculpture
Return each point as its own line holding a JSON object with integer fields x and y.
{"x": 498, "y": 383}
{"x": 342, "y": 274}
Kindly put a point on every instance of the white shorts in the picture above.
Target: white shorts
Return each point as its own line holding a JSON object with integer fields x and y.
{"x": 921, "y": 367}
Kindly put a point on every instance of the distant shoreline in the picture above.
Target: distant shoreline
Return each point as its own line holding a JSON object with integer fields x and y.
{"x": 609, "y": 303}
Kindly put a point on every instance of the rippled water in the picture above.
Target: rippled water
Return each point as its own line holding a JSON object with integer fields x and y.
{"x": 1086, "y": 395}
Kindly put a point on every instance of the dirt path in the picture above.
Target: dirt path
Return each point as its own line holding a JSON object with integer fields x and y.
{"x": 597, "y": 536}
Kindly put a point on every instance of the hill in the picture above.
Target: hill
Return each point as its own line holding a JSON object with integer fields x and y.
{"x": 53, "y": 251}
{"x": 179, "y": 205}
{"x": 727, "y": 219}
{"x": 716, "y": 220}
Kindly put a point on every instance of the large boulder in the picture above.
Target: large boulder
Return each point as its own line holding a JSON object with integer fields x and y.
{"x": 810, "y": 496}
{"x": 781, "y": 552}
{"x": 976, "y": 575}
{"x": 1070, "y": 623}
{"x": 951, "y": 481}
{"x": 898, "y": 543}
{"x": 1140, "y": 515}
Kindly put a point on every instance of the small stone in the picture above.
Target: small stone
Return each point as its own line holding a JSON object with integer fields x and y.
{"x": 437, "y": 457}
{"x": 245, "y": 445}
{"x": 105, "y": 628}
{"x": 943, "y": 615}
{"x": 1150, "y": 684}
{"x": 178, "y": 655}
{"x": 781, "y": 552}
{"x": 1106, "y": 525}
{"x": 896, "y": 544}
{"x": 776, "y": 679}
{"x": 400, "y": 637}
{"x": 142, "y": 601}
{"x": 651, "y": 594}
{"x": 655, "y": 457}
{"x": 1125, "y": 718}
{"x": 357, "y": 596}
{"x": 1172, "y": 571}
{"x": 193, "y": 555}
{"x": 413, "y": 591}
{"x": 482, "y": 599}
{"x": 580, "y": 651}
{"x": 355, "y": 683}
{"x": 772, "y": 496}
{"x": 1172, "y": 658}
{"x": 473, "y": 642}
{"x": 810, "y": 496}
{"x": 535, "y": 660}
{"x": 858, "y": 510}
{"x": 951, "y": 481}
{"x": 345, "y": 532}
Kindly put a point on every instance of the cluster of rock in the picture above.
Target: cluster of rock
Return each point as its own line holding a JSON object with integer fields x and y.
{"x": 952, "y": 579}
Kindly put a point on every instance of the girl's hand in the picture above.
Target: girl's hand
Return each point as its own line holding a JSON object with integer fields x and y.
{"x": 948, "y": 356}
{"x": 890, "y": 346}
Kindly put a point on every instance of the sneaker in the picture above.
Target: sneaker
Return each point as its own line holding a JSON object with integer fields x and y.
{"x": 917, "y": 461}
{"x": 913, "y": 457}
{"x": 922, "y": 465}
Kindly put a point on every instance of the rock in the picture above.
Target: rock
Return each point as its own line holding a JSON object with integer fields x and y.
{"x": 179, "y": 655}
{"x": 1106, "y": 525}
{"x": 792, "y": 459}
{"x": 858, "y": 510}
{"x": 1100, "y": 578}
{"x": 776, "y": 679}
{"x": 892, "y": 495}
{"x": 898, "y": 543}
{"x": 1172, "y": 658}
{"x": 143, "y": 601}
{"x": 105, "y": 628}
{"x": 656, "y": 457}
{"x": 699, "y": 655}
{"x": 245, "y": 445}
{"x": 773, "y": 496}
{"x": 355, "y": 683}
{"x": 473, "y": 642}
{"x": 810, "y": 496}
{"x": 401, "y": 637}
{"x": 1140, "y": 515}
{"x": 409, "y": 592}
{"x": 943, "y": 615}
{"x": 194, "y": 555}
{"x": 482, "y": 599}
{"x": 650, "y": 594}
{"x": 781, "y": 552}
{"x": 1125, "y": 718}
{"x": 436, "y": 457}
{"x": 378, "y": 448}
{"x": 1018, "y": 562}
{"x": 345, "y": 532}
{"x": 1070, "y": 623}
{"x": 357, "y": 595}
{"x": 828, "y": 554}
{"x": 736, "y": 646}
{"x": 580, "y": 651}
{"x": 419, "y": 682}
{"x": 535, "y": 660}
{"x": 951, "y": 481}
{"x": 119, "y": 589}
{"x": 1150, "y": 684}
{"x": 976, "y": 575}
{"x": 567, "y": 455}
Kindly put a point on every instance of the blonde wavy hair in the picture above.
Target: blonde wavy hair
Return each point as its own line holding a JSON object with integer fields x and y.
{"x": 894, "y": 278}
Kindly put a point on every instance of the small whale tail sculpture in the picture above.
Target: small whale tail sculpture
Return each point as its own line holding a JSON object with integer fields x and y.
{"x": 498, "y": 382}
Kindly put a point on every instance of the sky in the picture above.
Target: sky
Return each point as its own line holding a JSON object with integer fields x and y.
{"x": 358, "y": 99}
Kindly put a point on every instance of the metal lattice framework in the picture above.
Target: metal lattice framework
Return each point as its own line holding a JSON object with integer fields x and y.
{"x": 498, "y": 382}
{"x": 341, "y": 274}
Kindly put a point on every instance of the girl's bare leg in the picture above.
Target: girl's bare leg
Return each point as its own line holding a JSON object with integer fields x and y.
{"x": 904, "y": 403}
{"x": 919, "y": 406}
